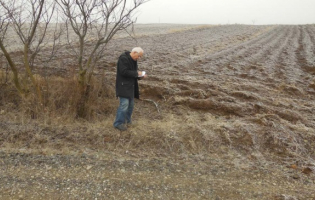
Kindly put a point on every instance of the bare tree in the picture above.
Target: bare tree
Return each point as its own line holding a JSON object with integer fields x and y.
{"x": 29, "y": 20}
{"x": 4, "y": 25}
{"x": 104, "y": 18}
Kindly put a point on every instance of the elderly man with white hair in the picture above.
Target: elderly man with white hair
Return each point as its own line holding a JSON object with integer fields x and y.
{"x": 127, "y": 85}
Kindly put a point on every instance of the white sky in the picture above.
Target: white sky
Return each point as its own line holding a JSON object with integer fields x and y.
{"x": 227, "y": 12}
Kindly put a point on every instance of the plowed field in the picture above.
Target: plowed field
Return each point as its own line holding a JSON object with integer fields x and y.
{"x": 258, "y": 79}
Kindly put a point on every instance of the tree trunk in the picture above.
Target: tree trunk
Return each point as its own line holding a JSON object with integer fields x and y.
{"x": 30, "y": 74}
{"x": 14, "y": 70}
{"x": 84, "y": 97}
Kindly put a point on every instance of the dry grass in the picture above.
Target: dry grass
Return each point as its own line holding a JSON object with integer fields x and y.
{"x": 181, "y": 29}
{"x": 224, "y": 98}
{"x": 183, "y": 125}
{"x": 54, "y": 126}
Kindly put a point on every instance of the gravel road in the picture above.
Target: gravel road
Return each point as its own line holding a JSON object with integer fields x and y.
{"x": 103, "y": 175}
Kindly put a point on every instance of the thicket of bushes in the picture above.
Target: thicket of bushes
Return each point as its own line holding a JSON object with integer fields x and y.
{"x": 60, "y": 98}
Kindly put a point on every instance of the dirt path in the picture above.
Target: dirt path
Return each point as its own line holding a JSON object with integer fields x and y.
{"x": 107, "y": 176}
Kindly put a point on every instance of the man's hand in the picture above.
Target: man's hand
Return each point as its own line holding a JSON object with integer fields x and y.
{"x": 142, "y": 74}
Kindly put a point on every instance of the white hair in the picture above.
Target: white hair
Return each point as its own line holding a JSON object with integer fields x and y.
{"x": 137, "y": 49}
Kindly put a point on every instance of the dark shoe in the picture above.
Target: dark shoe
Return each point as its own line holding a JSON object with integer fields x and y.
{"x": 121, "y": 127}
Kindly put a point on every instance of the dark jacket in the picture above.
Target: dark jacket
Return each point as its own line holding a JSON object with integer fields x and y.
{"x": 127, "y": 77}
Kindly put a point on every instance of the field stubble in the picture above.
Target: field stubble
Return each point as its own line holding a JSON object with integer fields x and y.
{"x": 233, "y": 119}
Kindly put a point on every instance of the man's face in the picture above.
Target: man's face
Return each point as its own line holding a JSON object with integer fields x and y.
{"x": 139, "y": 55}
{"x": 136, "y": 56}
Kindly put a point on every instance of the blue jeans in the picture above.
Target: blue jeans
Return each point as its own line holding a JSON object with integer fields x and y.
{"x": 124, "y": 111}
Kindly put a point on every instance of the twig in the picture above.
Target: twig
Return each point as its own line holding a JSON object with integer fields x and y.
{"x": 156, "y": 105}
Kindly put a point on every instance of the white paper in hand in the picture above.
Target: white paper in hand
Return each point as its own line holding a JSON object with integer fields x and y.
{"x": 142, "y": 74}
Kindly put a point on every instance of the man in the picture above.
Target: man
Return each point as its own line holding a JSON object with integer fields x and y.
{"x": 127, "y": 85}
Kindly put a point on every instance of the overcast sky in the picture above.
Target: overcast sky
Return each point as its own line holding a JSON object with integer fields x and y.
{"x": 228, "y": 12}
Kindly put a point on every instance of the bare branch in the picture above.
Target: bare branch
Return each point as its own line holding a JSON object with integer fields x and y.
{"x": 105, "y": 17}
{"x": 47, "y": 15}
{"x": 156, "y": 105}
{"x": 30, "y": 20}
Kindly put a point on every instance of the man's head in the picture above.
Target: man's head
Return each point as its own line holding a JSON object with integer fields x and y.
{"x": 136, "y": 53}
